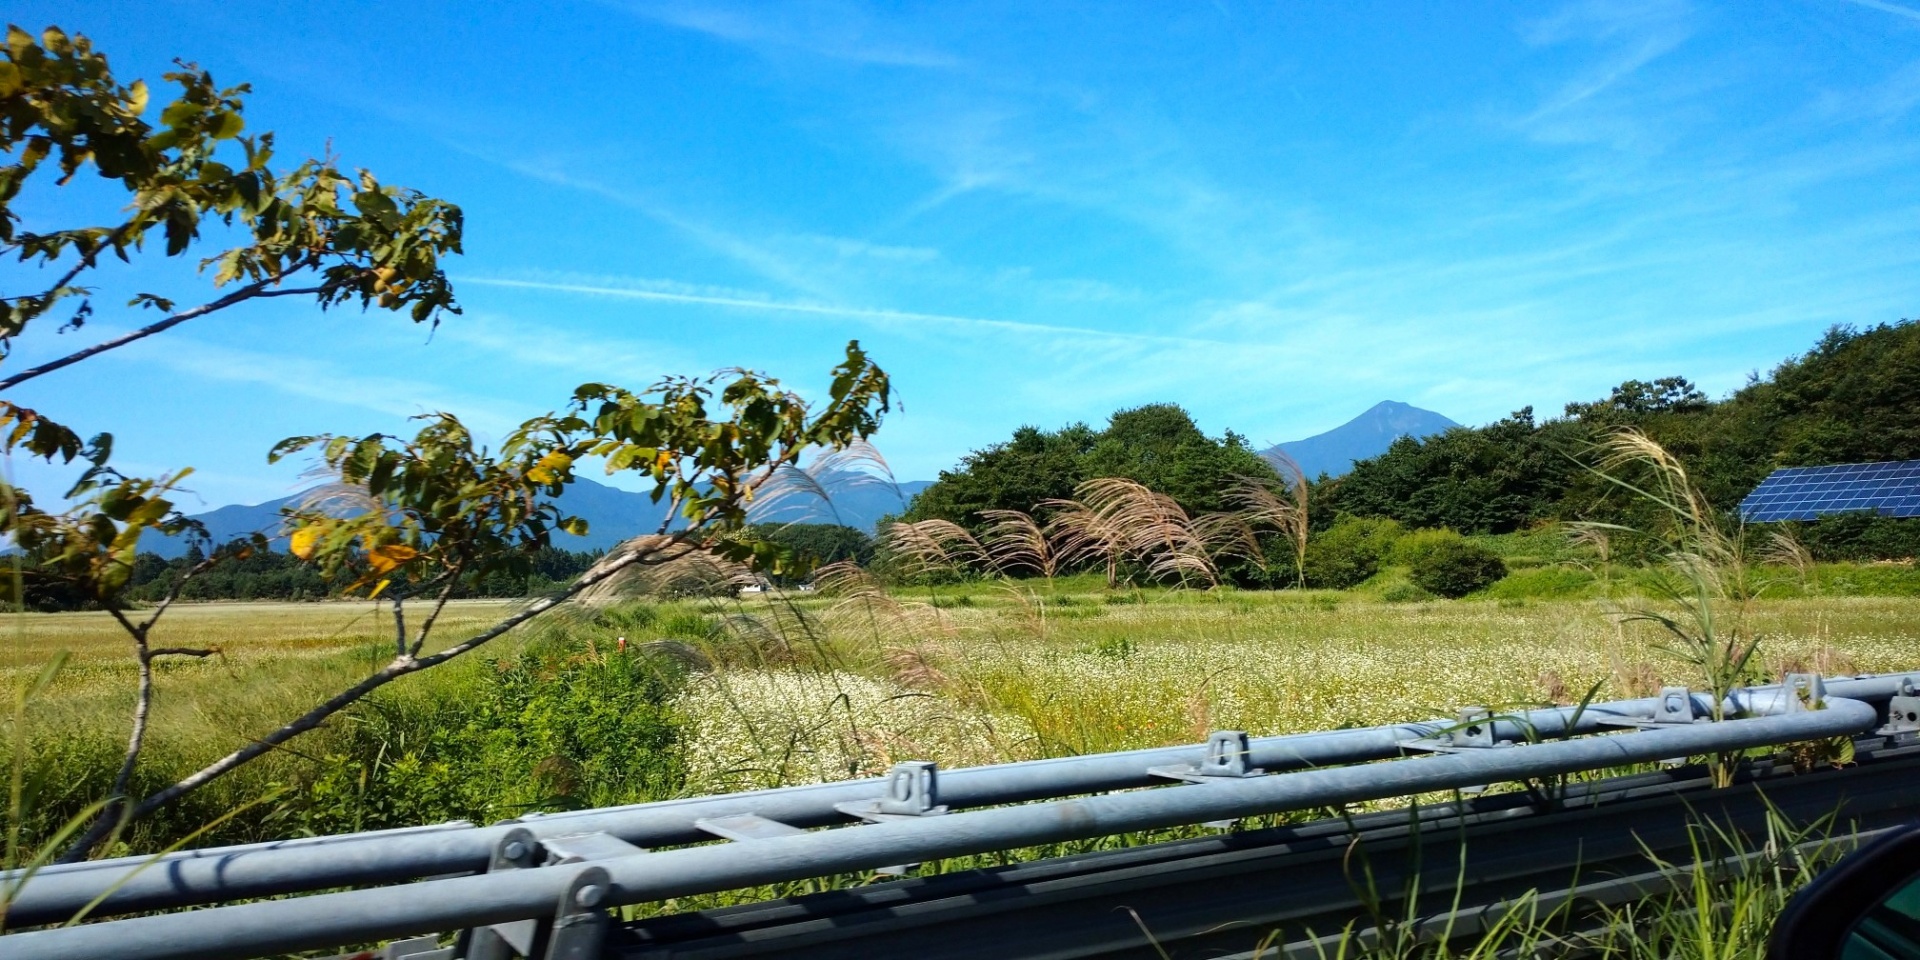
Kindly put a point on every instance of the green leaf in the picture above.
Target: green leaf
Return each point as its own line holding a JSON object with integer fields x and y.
{"x": 179, "y": 113}
{"x": 152, "y": 302}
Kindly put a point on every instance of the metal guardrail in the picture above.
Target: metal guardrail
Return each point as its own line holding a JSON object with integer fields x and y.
{"x": 1448, "y": 869}
{"x": 549, "y": 880}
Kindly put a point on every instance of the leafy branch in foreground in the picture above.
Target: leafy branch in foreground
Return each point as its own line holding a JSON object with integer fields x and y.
{"x": 346, "y": 237}
{"x": 310, "y": 231}
{"x": 422, "y": 516}
{"x": 436, "y": 511}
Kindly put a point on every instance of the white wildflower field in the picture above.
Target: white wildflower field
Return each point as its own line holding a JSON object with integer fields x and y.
{"x": 1006, "y": 677}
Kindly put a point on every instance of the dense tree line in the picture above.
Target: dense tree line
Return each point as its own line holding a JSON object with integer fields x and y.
{"x": 817, "y": 544}
{"x": 272, "y": 575}
{"x": 1855, "y": 397}
{"x": 1157, "y": 445}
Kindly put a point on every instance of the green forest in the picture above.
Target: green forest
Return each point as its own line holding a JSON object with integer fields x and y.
{"x": 1853, "y": 397}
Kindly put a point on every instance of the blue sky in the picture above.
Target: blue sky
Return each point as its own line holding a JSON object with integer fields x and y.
{"x": 1275, "y": 214}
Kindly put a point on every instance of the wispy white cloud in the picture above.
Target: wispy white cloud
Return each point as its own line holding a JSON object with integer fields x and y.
{"x": 583, "y": 353}
{"x": 1588, "y": 106}
{"x": 315, "y": 379}
{"x": 849, "y": 248}
{"x": 834, "y": 31}
{"x": 757, "y": 257}
{"x": 877, "y": 315}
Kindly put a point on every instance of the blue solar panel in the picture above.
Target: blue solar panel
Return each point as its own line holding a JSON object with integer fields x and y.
{"x": 1803, "y": 493}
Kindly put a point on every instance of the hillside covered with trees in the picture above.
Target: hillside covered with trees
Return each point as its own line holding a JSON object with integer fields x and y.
{"x": 1851, "y": 398}
{"x": 1854, "y": 397}
{"x": 1157, "y": 445}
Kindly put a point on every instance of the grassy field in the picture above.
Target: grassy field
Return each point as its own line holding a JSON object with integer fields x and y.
{"x": 715, "y": 695}
{"x": 798, "y": 689}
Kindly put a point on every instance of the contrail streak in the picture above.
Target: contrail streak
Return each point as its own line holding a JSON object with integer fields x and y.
{"x": 1892, "y": 8}
{"x": 862, "y": 313}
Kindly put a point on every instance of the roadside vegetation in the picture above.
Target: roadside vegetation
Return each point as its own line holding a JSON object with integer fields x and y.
{"x": 718, "y": 694}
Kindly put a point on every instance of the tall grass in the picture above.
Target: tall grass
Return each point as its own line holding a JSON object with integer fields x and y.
{"x": 1703, "y": 585}
{"x": 788, "y": 690}
{"x": 1720, "y": 904}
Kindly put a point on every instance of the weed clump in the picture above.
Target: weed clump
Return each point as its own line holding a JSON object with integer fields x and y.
{"x": 1448, "y": 564}
{"x": 1350, "y": 551}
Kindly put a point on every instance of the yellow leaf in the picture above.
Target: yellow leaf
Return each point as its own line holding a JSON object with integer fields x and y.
{"x": 304, "y": 541}
{"x": 386, "y": 557}
{"x": 544, "y": 471}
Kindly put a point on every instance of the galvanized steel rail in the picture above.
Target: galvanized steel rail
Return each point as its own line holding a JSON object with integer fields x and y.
{"x": 1297, "y": 887}
{"x": 605, "y": 867}
{"x": 226, "y": 873}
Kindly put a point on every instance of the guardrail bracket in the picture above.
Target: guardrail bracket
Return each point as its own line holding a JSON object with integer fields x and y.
{"x": 1227, "y": 756}
{"x": 578, "y": 926}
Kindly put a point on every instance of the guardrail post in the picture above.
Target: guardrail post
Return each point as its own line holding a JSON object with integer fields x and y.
{"x": 506, "y": 941}
{"x": 913, "y": 790}
{"x": 578, "y": 926}
{"x": 1227, "y": 756}
{"x": 1903, "y": 716}
{"x": 1805, "y": 691}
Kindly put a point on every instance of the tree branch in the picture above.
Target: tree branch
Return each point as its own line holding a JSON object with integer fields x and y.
{"x": 399, "y": 667}
{"x": 402, "y": 665}
{"x": 87, "y": 260}
{"x": 399, "y": 626}
{"x": 252, "y": 291}
{"x": 439, "y": 604}
{"x": 113, "y": 816}
{"x": 173, "y": 592}
{"x": 158, "y": 652}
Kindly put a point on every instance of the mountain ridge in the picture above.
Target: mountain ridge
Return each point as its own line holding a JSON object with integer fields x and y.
{"x": 858, "y": 500}
{"x": 1334, "y": 452}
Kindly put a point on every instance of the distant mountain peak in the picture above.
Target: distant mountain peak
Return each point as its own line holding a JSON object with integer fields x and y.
{"x": 1367, "y": 435}
{"x": 858, "y": 500}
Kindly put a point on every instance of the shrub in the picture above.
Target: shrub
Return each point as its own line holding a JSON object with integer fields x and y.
{"x": 1858, "y": 536}
{"x": 1404, "y": 592}
{"x": 1413, "y": 548}
{"x": 553, "y": 728}
{"x": 1347, "y": 553}
{"x": 1543, "y": 583}
{"x": 1869, "y": 580}
{"x": 1453, "y": 566}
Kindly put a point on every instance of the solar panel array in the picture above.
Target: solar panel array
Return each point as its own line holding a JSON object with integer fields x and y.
{"x": 1803, "y": 493}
